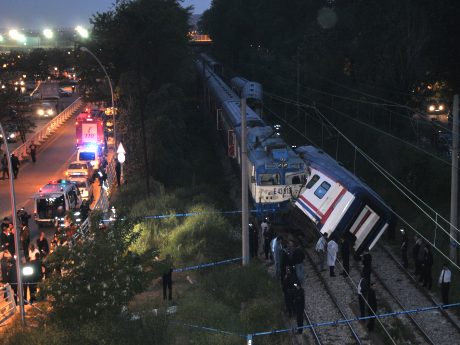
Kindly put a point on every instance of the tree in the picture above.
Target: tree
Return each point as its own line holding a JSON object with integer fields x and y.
{"x": 96, "y": 276}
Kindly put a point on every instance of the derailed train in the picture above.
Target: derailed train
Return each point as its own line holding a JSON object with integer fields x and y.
{"x": 328, "y": 194}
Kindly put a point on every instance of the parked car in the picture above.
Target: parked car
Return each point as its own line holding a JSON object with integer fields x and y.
{"x": 64, "y": 93}
{"x": 46, "y": 109}
{"x": 85, "y": 187}
{"x": 80, "y": 169}
{"x": 11, "y": 132}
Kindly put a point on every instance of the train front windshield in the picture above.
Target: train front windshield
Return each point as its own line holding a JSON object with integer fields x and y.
{"x": 51, "y": 207}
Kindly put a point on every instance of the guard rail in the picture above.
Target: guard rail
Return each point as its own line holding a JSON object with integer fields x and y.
{"x": 43, "y": 133}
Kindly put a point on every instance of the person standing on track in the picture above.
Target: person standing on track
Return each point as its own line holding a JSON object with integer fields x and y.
{"x": 332, "y": 249}
{"x": 372, "y": 307}
{"x": 321, "y": 249}
{"x": 363, "y": 289}
{"x": 297, "y": 258}
{"x": 404, "y": 247}
{"x": 299, "y": 306}
{"x": 444, "y": 282}
{"x": 267, "y": 233}
{"x": 367, "y": 265}
{"x": 253, "y": 241}
{"x": 427, "y": 266}
{"x": 345, "y": 255}
{"x": 415, "y": 251}
{"x": 276, "y": 249}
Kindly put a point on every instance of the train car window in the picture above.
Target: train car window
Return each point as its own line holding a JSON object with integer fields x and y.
{"x": 322, "y": 189}
{"x": 269, "y": 179}
{"x": 312, "y": 182}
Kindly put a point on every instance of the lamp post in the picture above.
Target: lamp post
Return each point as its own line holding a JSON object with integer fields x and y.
{"x": 86, "y": 50}
{"x": 15, "y": 225}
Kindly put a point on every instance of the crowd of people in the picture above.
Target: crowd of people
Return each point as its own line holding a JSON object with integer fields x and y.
{"x": 31, "y": 254}
{"x": 422, "y": 258}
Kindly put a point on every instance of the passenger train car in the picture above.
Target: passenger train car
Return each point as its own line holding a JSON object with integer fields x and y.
{"x": 339, "y": 203}
{"x": 275, "y": 172}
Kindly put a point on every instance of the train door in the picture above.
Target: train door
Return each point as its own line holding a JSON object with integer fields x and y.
{"x": 363, "y": 225}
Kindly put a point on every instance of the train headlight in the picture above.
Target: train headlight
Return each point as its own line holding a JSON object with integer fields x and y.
{"x": 431, "y": 108}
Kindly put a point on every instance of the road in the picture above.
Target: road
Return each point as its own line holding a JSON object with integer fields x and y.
{"x": 52, "y": 159}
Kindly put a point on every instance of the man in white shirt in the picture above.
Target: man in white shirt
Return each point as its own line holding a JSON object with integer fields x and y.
{"x": 332, "y": 249}
{"x": 444, "y": 281}
{"x": 321, "y": 248}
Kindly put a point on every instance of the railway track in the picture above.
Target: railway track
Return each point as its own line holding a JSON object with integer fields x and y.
{"x": 436, "y": 327}
{"x": 321, "y": 305}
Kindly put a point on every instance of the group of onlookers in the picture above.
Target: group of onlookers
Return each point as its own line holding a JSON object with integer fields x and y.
{"x": 33, "y": 254}
{"x": 422, "y": 257}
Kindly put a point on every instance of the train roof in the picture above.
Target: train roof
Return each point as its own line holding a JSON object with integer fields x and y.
{"x": 253, "y": 89}
{"x": 218, "y": 87}
{"x": 321, "y": 161}
{"x": 233, "y": 110}
{"x": 266, "y": 147}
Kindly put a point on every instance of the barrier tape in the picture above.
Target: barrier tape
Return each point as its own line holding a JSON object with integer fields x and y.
{"x": 346, "y": 321}
{"x": 196, "y": 267}
{"x": 209, "y": 329}
{"x": 192, "y": 214}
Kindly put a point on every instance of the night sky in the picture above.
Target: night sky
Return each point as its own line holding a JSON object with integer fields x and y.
{"x": 37, "y": 14}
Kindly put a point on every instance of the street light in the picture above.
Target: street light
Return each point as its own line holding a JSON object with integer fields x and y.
{"x": 15, "y": 225}
{"x": 82, "y": 31}
{"x": 48, "y": 33}
{"x": 86, "y": 50}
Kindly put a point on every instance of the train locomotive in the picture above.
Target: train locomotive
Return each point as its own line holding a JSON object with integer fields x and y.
{"x": 331, "y": 197}
{"x": 339, "y": 203}
{"x": 275, "y": 172}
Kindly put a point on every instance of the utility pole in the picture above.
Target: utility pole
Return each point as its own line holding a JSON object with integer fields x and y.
{"x": 16, "y": 228}
{"x": 244, "y": 182}
{"x": 454, "y": 184}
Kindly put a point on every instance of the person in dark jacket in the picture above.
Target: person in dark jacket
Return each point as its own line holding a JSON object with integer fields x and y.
{"x": 299, "y": 306}
{"x": 297, "y": 258}
{"x": 345, "y": 255}
{"x": 267, "y": 233}
{"x": 253, "y": 241}
{"x": 167, "y": 276}
{"x": 427, "y": 266}
{"x": 404, "y": 248}
{"x": 415, "y": 251}
{"x": 15, "y": 165}
{"x": 372, "y": 307}
{"x": 118, "y": 171}
{"x": 367, "y": 265}
{"x": 12, "y": 278}
{"x": 289, "y": 290}
{"x": 42, "y": 245}
{"x": 25, "y": 239}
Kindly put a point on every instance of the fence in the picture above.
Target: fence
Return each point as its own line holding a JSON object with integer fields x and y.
{"x": 43, "y": 133}
{"x": 102, "y": 204}
{"x": 7, "y": 305}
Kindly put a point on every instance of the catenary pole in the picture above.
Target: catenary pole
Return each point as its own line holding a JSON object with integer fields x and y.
{"x": 454, "y": 183}
{"x": 16, "y": 232}
{"x": 244, "y": 183}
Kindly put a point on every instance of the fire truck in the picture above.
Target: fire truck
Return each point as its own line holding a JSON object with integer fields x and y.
{"x": 89, "y": 130}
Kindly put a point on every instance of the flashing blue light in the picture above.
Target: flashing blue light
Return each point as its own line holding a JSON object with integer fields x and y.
{"x": 91, "y": 147}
